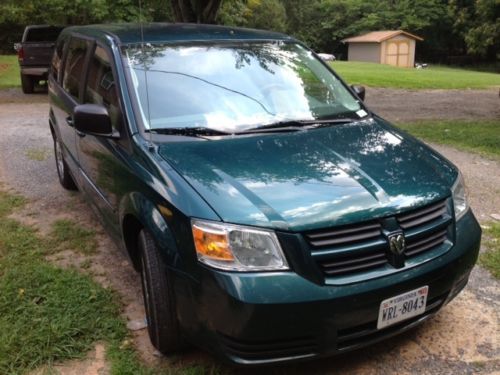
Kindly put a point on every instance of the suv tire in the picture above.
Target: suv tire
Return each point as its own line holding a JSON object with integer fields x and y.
{"x": 159, "y": 299}
{"x": 65, "y": 177}
{"x": 27, "y": 83}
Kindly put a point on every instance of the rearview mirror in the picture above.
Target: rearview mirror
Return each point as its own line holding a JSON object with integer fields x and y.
{"x": 359, "y": 90}
{"x": 92, "y": 119}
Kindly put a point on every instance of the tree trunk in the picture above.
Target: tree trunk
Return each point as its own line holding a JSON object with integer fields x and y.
{"x": 196, "y": 11}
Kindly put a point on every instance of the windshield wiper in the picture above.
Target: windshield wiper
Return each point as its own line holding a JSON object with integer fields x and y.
{"x": 279, "y": 126}
{"x": 297, "y": 125}
{"x": 190, "y": 131}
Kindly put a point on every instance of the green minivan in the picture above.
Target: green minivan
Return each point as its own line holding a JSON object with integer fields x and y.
{"x": 273, "y": 217}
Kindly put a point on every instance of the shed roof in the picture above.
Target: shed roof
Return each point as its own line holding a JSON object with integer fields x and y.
{"x": 379, "y": 36}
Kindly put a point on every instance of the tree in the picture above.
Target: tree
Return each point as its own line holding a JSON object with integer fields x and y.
{"x": 477, "y": 23}
{"x": 198, "y": 11}
{"x": 259, "y": 14}
{"x": 62, "y": 12}
{"x": 266, "y": 14}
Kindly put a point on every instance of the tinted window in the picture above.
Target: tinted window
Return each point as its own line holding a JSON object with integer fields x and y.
{"x": 73, "y": 71}
{"x": 101, "y": 87}
{"x": 57, "y": 58}
{"x": 44, "y": 34}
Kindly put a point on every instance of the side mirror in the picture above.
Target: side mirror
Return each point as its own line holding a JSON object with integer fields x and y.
{"x": 359, "y": 90}
{"x": 92, "y": 119}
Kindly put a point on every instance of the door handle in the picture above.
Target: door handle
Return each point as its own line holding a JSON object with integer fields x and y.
{"x": 69, "y": 121}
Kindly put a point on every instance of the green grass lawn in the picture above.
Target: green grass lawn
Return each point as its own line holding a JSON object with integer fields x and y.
{"x": 434, "y": 77}
{"x": 482, "y": 137}
{"x": 49, "y": 314}
{"x": 491, "y": 258}
{"x": 9, "y": 71}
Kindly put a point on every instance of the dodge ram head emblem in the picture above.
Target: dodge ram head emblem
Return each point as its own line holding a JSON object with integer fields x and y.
{"x": 397, "y": 243}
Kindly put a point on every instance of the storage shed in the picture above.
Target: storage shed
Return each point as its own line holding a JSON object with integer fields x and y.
{"x": 393, "y": 47}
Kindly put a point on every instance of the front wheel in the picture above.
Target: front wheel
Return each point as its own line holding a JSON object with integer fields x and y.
{"x": 159, "y": 300}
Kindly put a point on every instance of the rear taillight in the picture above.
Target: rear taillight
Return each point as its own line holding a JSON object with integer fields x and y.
{"x": 20, "y": 54}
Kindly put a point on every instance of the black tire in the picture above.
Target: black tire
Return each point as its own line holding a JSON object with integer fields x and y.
{"x": 27, "y": 83}
{"x": 65, "y": 177}
{"x": 159, "y": 299}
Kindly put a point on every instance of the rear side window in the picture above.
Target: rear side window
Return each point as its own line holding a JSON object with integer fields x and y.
{"x": 42, "y": 34}
{"x": 101, "y": 87}
{"x": 73, "y": 69}
{"x": 57, "y": 58}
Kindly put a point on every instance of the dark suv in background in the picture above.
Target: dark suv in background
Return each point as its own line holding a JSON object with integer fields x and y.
{"x": 34, "y": 54}
{"x": 271, "y": 214}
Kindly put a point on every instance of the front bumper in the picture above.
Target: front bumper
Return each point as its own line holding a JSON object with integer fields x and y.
{"x": 258, "y": 318}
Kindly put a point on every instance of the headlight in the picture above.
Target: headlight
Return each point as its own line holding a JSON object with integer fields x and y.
{"x": 237, "y": 248}
{"x": 459, "y": 197}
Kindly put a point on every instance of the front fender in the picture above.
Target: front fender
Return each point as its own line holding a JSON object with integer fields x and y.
{"x": 136, "y": 206}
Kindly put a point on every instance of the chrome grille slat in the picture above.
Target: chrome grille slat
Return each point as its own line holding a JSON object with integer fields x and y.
{"x": 332, "y": 233}
{"x": 422, "y": 215}
{"x": 356, "y": 268}
{"x": 421, "y": 211}
{"x": 346, "y": 239}
{"x": 423, "y": 219}
{"x": 427, "y": 239}
{"x": 426, "y": 246}
{"x": 354, "y": 249}
{"x": 354, "y": 261}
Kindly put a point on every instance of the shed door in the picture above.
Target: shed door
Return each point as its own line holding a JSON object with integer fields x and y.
{"x": 398, "y": 53}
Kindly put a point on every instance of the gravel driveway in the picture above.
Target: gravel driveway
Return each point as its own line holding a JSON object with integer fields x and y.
{"x": 412, "y": 105}
{"x": 462, "y": 338}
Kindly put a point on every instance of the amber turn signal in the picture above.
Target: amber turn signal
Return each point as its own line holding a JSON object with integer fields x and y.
{"x": 212, "y": 244}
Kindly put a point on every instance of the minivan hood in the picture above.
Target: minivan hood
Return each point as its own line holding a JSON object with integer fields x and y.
{"x": 313, "y": 178}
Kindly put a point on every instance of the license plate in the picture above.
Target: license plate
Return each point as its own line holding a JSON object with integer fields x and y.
{"x": 402, "y": 307}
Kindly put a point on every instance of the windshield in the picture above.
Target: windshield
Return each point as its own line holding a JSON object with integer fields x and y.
{"x": 233, "y": 87}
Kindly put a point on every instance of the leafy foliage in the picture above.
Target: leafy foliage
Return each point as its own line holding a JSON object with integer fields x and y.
{"x": 66, "y": 13}
{"x": 477, "y": 23}
{"x": 260, "y": 14}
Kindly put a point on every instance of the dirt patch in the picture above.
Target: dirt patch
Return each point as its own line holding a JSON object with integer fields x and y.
{"x": 93, "y": 364}
{"x": 413, "y": 105}
{"x": 4, "y": 67}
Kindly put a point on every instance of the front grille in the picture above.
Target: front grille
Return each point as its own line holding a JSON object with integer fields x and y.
{"x": 366, "y": 333}
{"x": 362, "y": 247}
{"x": 265, "y": 350}
{"x": 425, "y": 228}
